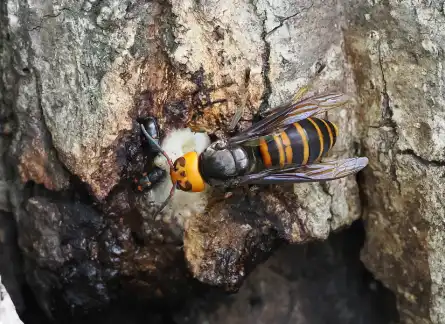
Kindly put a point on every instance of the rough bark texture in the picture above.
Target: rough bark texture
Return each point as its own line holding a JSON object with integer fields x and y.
{"x": 77, "y": 75}
{"x": 317, "y": 283}
{"x": 396, "y": 52}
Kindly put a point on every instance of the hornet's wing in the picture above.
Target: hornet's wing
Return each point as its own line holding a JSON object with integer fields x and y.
{"x": 316, "y": 172}
{"x": 279, "y": 118}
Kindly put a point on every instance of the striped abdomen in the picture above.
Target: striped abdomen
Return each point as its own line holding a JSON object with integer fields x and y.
{"x": 301, "y": 143}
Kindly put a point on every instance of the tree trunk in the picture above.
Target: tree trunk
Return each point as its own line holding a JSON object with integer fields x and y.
{"x": 77, "y": 76}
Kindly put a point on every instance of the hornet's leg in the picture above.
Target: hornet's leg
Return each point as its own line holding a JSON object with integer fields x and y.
{"x": 222, "y": 139}
{"x": 236, "y": 117}
{"x": 302, "y": 91}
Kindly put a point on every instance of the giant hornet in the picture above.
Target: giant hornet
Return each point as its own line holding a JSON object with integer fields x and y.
{"x": 286, "y": 146}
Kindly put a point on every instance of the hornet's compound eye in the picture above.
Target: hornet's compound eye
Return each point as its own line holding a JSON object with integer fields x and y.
{"x": 184, "y": 186}
{"x": 179, "y": 163}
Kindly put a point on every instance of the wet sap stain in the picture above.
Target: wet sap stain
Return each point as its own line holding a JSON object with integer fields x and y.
{"x": 101, "y": 254}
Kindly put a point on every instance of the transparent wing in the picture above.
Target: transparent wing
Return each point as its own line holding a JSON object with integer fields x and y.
{"x": 279, "y": 118}
{"x": 316, "y": 172}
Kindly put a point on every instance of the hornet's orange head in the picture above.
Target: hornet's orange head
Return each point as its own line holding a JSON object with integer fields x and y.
{"x": 185, "y": 173}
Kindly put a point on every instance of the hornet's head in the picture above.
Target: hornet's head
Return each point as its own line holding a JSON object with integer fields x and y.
{"x": 185, "y": 173}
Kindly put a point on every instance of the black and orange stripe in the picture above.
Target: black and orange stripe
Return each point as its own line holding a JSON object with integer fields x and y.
{"x": 301, "y": 143}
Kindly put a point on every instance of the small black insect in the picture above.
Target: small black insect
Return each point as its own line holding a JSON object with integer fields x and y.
{"x": 152, "y": 127}
{"x": 148, "y": 180}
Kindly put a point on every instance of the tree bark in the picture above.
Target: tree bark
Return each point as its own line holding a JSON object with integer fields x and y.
{"x": 77, "y": 75}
